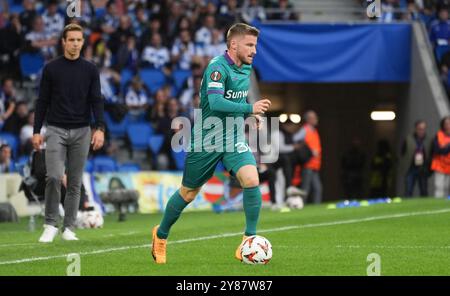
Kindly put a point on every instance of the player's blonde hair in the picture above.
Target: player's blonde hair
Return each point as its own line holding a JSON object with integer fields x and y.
{"x": 240, "y": 29}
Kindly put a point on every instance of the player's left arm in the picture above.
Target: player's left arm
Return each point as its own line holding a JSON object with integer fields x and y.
{"x": 97, "y": 106}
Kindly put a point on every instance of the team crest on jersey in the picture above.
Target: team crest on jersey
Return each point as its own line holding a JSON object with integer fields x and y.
{"x": 215, "y": 76}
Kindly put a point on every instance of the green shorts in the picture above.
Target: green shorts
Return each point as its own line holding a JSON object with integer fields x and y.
{"x": 200, "y": 166}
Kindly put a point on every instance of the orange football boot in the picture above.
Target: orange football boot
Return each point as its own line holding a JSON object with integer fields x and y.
{"x": 158, "y": 247}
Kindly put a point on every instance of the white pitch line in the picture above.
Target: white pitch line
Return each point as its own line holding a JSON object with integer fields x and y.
{"x": 15, "y": 245}
{"x": 333, "y": 223}
{"x": 391, "y": 247}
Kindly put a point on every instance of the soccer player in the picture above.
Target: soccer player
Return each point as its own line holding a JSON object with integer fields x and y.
{"x": 223, "y": 95}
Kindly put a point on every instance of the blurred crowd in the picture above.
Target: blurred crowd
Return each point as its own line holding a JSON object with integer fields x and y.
{"x": 124, "y": 38}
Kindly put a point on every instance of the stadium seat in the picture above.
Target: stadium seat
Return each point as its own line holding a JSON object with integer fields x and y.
{"x": 140, "y": 118}
{"x": 129, "y": 167}
{"x": 103, "y": 164}
{"x": 23, "y": 159}
{"x": 125, "y": 77}
{"x": 179, "y": 158}
{"x": 116, "y": 129}
{"x": 403, "y": 4}
{"x": 139, "y": 134}
{"x": 153, "y": 79}
{"x": 100, "y": 12}
{"x": 15, "y": 6}
{"x": 155, "y": 143}
{"x": 12, "y": 141}
{"x": 89, "y": 166}
{"x": 31, "y": 64}
{"x": 21, "y": 163}
{"x": 179, "y": 77}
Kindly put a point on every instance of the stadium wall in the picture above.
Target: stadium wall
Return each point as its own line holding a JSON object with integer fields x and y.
{"x": 427, "y": 99}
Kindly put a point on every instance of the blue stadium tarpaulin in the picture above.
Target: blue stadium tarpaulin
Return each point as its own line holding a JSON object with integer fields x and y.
{"x": 334, "y": 52}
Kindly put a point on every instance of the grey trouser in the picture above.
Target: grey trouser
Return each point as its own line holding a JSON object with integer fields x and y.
{"x": 66, "y": 152}
{"x": 311, "y": 182}
{"x": 441, "y": 184}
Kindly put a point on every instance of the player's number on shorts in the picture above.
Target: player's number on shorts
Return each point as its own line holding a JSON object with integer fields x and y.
{"x": 242, "y": 147}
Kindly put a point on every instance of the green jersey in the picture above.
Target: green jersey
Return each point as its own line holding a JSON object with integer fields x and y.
{"x": 223, "y": 103}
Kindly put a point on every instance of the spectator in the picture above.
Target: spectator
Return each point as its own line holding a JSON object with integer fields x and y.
{"x": 39, "y": 40}
{"x": 155, "y": 55}
{"x": 287, "y": 159}
{"x": 6, "y": 163}
{"x": 413, "y": 13}
{"x": 176, "y": 13}
{"x": 102, "y": 56}
{"x": 16, "y": 121}
{"x": 87, "y": 15}
{"x": 139, "y": 20}
{"x": 110, "y": 21}
{"x": 184, "y": 24}
{"x": 381, "y": 170}
{"x": 121, "y": 34}
{"x": 27, "y": 15}
{"x": 251, "y": 11}
{"x": 183, "y": 51}
{"x": 154, "y": 28}
{"x": 158, "y": 110}
{"x": 193, "y": 86}
{"x": 53, "y": 20}
{"x": 7, "y": 100}
{"x": 388, "y": 13}
{"x": 228, "y": 14}
{"x": 311, "y": 183}
{"x": 203, "y": 36}
{"x": 440, "y": 29}
{"x": 128, "y": 55}
{"x": 440, "y": 163}
{"x": 217, "y": 46}
{"x": 10, "y": 43}
{"x": 137, "y": 98}
{"x": 163, "y": 127}
{"x": 284, "y": 11}
{"x": 352, "y": 164}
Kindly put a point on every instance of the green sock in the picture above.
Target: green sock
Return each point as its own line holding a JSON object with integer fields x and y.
{"x": 174, "y": 207}
{"x": 252, "y": 205}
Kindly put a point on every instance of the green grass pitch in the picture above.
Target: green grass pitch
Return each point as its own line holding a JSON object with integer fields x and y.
{"x": 411, "y": 238}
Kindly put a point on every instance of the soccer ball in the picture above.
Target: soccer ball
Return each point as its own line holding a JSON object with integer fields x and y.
{"x": 295, "y": 202}
{"x": 256, "y": 250}
{"x": 90, "y": 219}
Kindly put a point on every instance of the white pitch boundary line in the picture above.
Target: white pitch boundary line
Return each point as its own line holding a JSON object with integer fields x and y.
{"x": 333, "y": 223}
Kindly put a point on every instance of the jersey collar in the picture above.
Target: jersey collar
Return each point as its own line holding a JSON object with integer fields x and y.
{"x": 228, "y": 58}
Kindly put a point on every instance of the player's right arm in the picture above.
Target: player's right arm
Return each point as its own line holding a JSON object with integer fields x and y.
{"x": 215, "y": 78}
